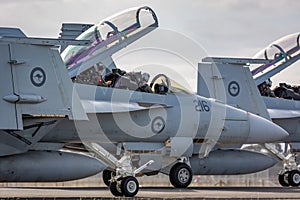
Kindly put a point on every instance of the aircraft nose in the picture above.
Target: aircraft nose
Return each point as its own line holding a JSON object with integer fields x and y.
{"x": 263, "y": 130}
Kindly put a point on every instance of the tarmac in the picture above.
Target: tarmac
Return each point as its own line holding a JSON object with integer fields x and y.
{"x": 151, "y": 193}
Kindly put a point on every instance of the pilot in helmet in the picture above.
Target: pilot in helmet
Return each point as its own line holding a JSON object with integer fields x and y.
{"x": 145, "y": 77}
{"x": 267, "y": 89}
{"x": 145, "y": 87}
{"x": 269, "y": 82}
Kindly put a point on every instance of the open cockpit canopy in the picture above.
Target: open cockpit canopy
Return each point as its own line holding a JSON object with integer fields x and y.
{"x": 281, "y": 54}
{"x": 109, "y": 36}
{"x": 91, "y": 63}
{"x": 282, "y": 48}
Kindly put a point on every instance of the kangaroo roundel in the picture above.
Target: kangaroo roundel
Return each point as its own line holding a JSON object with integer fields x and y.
{"x": 233, "y": 88}
{"x": 38, "y": 77}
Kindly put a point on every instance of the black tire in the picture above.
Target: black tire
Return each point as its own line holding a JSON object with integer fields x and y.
{"x": 129, "y": 186}
{"x": 181, "y": 175}
{"x": 282, "y": 179}
{"x": 294, "y": 178}
{"x": 106, "y": 176}
{"x": 115, "y": 189}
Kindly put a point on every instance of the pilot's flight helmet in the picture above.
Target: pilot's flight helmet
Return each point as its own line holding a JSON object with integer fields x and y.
{"x": 99, "y": 67}
{"x": 269, "y": 82}
{"x": 145, "y": 77}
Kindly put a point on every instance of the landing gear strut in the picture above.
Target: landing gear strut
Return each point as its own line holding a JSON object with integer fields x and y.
{"x": 290, "y": 174}
{"x": 123, "y": 182}
{"x": 180, "y": 175}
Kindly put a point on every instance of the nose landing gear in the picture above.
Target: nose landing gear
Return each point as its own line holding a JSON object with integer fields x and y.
{"x": 123, "y": 182}
{"x": 290, "y": 174}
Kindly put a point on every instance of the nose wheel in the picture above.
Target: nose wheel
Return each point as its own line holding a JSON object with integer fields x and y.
{"x": 180, "y": 175}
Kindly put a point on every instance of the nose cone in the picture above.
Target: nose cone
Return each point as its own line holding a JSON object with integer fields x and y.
{"x": 263, "y": 130}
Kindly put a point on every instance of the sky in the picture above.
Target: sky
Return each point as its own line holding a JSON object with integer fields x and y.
{"x": 232, "y": 28}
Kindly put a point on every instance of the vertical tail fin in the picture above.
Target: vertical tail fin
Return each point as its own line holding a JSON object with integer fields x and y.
{"x": 230, "y": 81}
{"x": 34, "y": 82}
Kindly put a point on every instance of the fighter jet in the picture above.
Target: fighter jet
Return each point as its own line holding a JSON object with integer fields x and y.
{"x": 253, "y": 93}
{"x": 284, "y": 109}
{"x": 71, "y": 116}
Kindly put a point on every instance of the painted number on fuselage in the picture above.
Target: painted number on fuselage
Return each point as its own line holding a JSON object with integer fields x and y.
{"x": 201, "y": 106}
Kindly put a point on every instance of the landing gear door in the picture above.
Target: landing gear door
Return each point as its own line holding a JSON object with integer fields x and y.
{"x": 8, "y": 115}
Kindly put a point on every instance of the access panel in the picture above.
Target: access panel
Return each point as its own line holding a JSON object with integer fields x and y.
{"x": 8, "y": 116}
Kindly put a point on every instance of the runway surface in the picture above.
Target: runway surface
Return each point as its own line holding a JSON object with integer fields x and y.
{"x": 152, "y": 192}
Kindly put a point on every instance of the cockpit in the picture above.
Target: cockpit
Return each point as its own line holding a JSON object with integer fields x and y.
{"x": 108, "y": 37}
{"x": 281, "y": 54}
{"x": 120, "y": 79}
{"x": 93, "y": 64}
